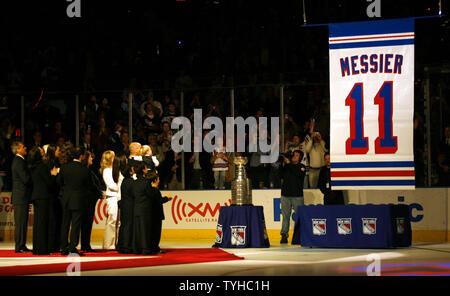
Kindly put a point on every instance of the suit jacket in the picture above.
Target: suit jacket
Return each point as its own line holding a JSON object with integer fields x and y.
{"x": 126, "y": 190}
{"x": 21, "y": 182}
{"x": 157, "y": 200}
{"x": 76, "y": 179}
{"x": 43, "y": 182}
{"x": 142, "y": 199}
{"x": 94, "y": 192}
{"x": 132, "y": 161}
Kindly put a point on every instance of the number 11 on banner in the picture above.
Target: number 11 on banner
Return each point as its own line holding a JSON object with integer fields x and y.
{"x": 386, "y": 142}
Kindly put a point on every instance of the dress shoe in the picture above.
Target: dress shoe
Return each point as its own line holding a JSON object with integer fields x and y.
{"x": 89, "y": 250}
{"x": 284, "y": 240}
{"x": 24, "y": 250}
{"x": 74, "y": 251}
{"x": 41, "y": 253}
{"x": 162, "y": 252}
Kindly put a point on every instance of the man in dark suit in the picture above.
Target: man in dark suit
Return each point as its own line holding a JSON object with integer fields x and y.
{"x": 75, "y": 178}
{"x": 21, "y": 195}
{"x": 330, "y": 197}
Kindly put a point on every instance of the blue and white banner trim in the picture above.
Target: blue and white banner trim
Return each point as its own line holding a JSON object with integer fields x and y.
{"x": 372, "y": 175}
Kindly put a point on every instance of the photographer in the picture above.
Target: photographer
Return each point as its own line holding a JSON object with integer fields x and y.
{"x": 292, "y": 175}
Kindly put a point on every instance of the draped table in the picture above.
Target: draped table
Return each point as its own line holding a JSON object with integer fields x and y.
{"x": 241, "y": 227}
{"x": 353, "y": 226}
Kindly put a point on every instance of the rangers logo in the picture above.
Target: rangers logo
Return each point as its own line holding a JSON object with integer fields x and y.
{"x": 369, "y": 225}
{"x": 344, "y": 225}
{"x": 219, "y": 234}
{"x": 238, "y": 235}
{"x": 400, "y": 225}
{"x": 319, "y": 226}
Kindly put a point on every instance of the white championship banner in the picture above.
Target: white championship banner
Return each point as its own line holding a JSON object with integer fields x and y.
{"x": 372, "y": 104}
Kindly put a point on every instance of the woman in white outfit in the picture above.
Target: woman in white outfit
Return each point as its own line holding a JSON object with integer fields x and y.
{"x": 112, "y": 196}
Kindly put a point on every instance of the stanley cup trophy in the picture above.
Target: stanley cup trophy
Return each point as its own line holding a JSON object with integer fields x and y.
{"x": 241, "y": 189}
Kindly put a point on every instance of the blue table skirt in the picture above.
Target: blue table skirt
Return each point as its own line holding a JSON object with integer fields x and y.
{"x": 353, "y": 226}
{"x": 241, "y": 227}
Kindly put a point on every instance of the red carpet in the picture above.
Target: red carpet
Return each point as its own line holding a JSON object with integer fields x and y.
{"x": 172, "y": 256}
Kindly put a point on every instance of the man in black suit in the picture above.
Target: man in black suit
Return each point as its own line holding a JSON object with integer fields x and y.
{"x": 21, "y": 195}
{"x": 330, "y": 197}
{"x": 75, "y": 178}
{"x": 135, "y": 153}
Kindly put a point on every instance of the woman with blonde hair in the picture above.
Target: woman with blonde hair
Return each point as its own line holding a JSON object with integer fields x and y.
{"x": 112, "y": 197}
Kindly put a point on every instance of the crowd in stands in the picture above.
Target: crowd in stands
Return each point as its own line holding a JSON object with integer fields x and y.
{"x": 103, "y": 125}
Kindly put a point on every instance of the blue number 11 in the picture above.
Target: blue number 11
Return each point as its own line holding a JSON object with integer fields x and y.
{"x": 385, "y": 143}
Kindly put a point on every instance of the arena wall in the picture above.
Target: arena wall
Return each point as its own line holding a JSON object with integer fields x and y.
{"x": 193, "y": 214}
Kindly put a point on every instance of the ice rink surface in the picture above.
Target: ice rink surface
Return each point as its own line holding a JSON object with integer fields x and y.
{"x": 281, "y": 260}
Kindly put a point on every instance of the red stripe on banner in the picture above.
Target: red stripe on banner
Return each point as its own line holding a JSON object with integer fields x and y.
{"x": 378, "y": 37}
{"x": 373, "y": 174}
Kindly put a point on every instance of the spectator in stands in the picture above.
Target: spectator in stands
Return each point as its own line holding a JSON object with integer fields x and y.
{"x": 123, "y": 147}
{"x": 197, "y": 166}
{"x": 316, "y": 158}
{"x": 165, "y": 102}
{"x": 194, "y": 104}
{"x": 115, "y": 137}
{"x": 105, "y": 110}
{"x": 60, "y": 141}
{"x": 139, "y": 132}
{"x": 57, "y": 132}
{"x": 170, "y": 168}
{"x": 151, "y": 120}
{"x": 274, "y": 171}
{"x": 219, "y": 161}
{"x": 290, "y": 126}
{"x": 166, "y": 134}
{"x": 37, "y": 139}
{"x": 92, "y": 109}
{"x": 157, "y": 149}
{"x": 157, "y": 107}
{"x": 170, "y": 114}
{"x": 100, "y": 136}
